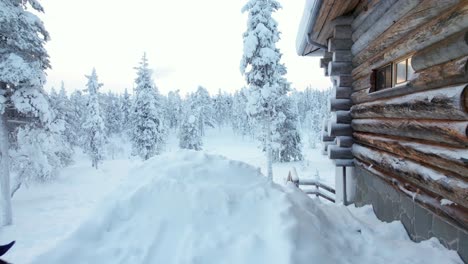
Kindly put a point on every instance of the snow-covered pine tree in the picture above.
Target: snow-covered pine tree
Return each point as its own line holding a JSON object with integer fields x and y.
{"x": 287, "y": 137}
{"x": 174, "y": 109}
{"x": 125, "y": 109}
{"x": 93, "y": 124}
{"x": 190, "y": 136}
{"x": 148, "y": 135}
{"x": 113, "y": 114}
{"x": 201, "y": 104}
{"x": 240, "y": 119}
{"x": 222, "y": 108}
{"x": 263, "y": 71}
{"x": 78, "y": 107}
{"x": 23, "y": 60}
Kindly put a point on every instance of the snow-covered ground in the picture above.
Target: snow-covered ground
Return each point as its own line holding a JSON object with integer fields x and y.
{"x": 187, "y": 207}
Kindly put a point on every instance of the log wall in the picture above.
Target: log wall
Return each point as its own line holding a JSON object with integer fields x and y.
{"x": 415, "y": 134}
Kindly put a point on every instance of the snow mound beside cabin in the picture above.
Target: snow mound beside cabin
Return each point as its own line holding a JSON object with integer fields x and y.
{"x": 190, "y": 207}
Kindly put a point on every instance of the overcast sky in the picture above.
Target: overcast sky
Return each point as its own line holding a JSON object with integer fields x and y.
{"x": 188, "y": 43}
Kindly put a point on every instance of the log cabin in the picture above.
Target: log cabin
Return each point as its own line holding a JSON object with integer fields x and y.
{"x": 398, "y": 132}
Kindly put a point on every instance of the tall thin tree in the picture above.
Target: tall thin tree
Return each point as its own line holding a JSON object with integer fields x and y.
{"x": 262, "y": 69}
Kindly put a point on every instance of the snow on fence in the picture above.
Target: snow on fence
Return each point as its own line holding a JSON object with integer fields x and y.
{"x": 319, "y": 187}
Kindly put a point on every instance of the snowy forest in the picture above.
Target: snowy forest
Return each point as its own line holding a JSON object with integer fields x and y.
{"x": 95, "y": 174}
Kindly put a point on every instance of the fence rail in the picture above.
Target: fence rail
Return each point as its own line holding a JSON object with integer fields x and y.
{"x": 294, "y": 178}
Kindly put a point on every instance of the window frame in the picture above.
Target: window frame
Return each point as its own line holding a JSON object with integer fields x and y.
{"x": 394, "y": 74}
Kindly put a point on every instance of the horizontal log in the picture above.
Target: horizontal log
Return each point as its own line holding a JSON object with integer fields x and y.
{"x": 444, "y": 132}
{"x": 450, "y": 22}
{"x": 335, "y": 129}
{"x": 339, "y": 68}
{"x": 325, "y": 146}
{"x": 418, "y": 16}
{"x": 344, "y": 162}
{"x": 339, "y": 104}
{"x": 453, "y": 47}
{"x": 324, "y": 62}
{"x": 326, "y": 137}
{"x": 344, "y": 141}
{"x": 342, "y": 56}
{"x": 342, "y": 81}
{"x": 442, "y": 75}
{"x": 365, "y": 20}
{"x": 450, "y": 159}
{"x": 397, "y": 11}
{"x": 335, "y": 152}
{"x": 339, "y": 44}
{"x": 341, "y": 92}
{"x": 425, "y": 178}
{"x": 342, "y": 32}
{"x": 341, "y": 117}
{"x": 454, "y": 213}
{"x": 449, "y": 103}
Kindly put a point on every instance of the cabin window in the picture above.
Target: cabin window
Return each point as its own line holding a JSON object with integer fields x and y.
{"x": 383, "y": 78}
{"x": 393, "y": 74}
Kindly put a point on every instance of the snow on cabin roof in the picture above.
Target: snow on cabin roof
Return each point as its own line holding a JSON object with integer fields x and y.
{"x": 303, "y": 46}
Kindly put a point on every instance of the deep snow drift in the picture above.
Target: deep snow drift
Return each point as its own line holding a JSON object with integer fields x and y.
{"x": 190, "y": 207}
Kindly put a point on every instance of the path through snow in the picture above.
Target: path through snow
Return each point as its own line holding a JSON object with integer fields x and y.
{"x": 190, "y": 207}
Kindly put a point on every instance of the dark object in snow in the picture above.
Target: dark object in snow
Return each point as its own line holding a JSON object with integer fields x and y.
{"x": 4, "y": 249}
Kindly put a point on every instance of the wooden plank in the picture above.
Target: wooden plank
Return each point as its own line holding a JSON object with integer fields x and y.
{"x": 342, "y": 56}
{"x": 339, "y": 68}
{"x": 394, "y": 13}
{"x": 442, "y": 184}
{"x": 451, "y": 133}
{"x": 450, "y": 22}
{"x": 454, "y": 47}
{"x": 442, "y": 75}
{"x": 343, "y": 81}
{"x": 363, "y": 10}
{"x": 414, "y": 19}
{"x": 440, "y": 157}
{"x": 448, "y": 103}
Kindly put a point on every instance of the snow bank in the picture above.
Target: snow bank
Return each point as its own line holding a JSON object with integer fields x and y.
{"x": 190, "y": 207}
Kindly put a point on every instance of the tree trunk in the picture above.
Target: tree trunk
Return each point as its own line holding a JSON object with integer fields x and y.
{"x": 6, "y": 217}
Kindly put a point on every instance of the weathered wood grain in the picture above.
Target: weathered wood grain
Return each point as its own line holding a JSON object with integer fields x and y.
{"x": 450, "y": 159}
{"x": 450, "y": 22}
{"x": 451, "y": 133}
{"x": 448, "y": 103}
{"x": 453, "y": 47}
{"x": 394, "y": 13}
{"x": 418, "y": 16}
{"x": 426, "y": 178}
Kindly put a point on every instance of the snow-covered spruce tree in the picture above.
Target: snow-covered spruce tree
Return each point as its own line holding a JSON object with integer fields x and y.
{"x": 240, "y": 119}
{"x": 287, "y": 137}
{"x": 23, "y": 60}
{"x": 125, "y": 109}
{"x": 113, "y": 114}
{"x": 78, "y": 103}
{"x": 93, "y": 124}
{"x": 201, "y": 104}
{"x": 148, "y": 135}
{"x": 263, "y": 71}
{"x": 173, "y": 109}
{"x": 190, "y": 136}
